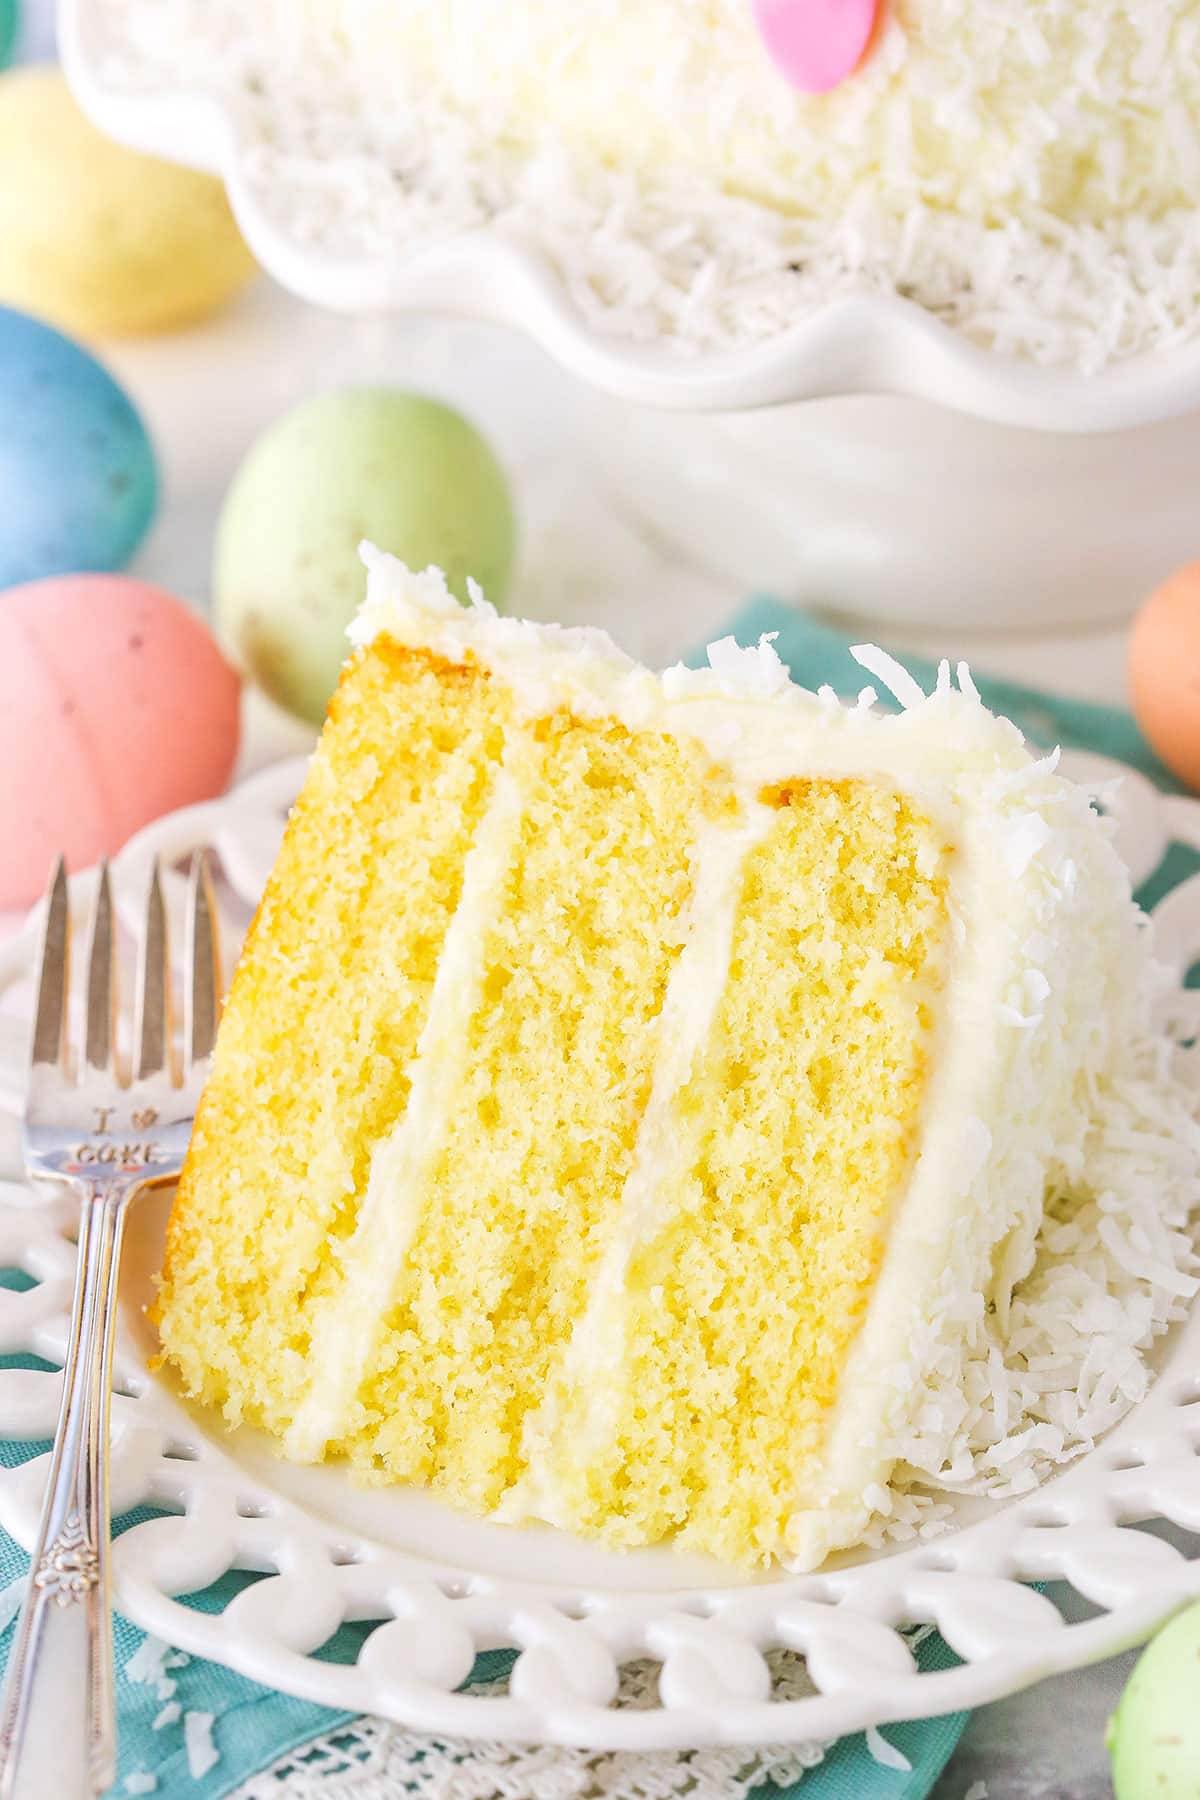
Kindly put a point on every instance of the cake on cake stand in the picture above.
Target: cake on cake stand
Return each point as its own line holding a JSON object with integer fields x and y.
{"x": 871, "y": 460}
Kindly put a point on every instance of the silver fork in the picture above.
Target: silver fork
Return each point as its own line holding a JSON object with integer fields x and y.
{"x": 110, "y": 1141}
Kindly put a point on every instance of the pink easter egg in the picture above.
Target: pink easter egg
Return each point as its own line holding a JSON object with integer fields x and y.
{"x": 816, "y": 44}
{"x": 115, "y": 706}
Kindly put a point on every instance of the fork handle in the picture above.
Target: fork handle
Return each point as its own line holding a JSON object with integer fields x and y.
{"x": 58, "y": 1714}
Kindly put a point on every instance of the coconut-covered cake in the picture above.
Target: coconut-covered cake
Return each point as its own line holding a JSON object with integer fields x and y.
{"x": 679, "y": 1107}
{"x": 1028, "y": 170}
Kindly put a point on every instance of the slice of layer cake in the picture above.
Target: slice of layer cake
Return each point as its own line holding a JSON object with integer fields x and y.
{"x": 639, "y": 1096}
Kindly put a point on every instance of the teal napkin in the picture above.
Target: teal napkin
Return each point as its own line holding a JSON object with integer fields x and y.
{"x": 254, "y": 1726}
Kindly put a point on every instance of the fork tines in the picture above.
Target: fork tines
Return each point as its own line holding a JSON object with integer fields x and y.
{"x": 100, "y": 1032}
{"x": 153, "y": 1018}
{"x": 202, "y": 979}
{"x": 50, "y": 1020}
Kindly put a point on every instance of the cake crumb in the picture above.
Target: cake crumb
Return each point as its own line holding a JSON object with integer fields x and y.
{"x": 202, "y": 1753}
{"x": 167, "y": 1715}
{"x": 148, "y": 1662}
{"x": 141, "y": 1781}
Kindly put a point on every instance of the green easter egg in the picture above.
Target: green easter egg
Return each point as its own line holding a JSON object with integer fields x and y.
{"x": 399, "y": 468}
{"x": 1154, "y": 1735}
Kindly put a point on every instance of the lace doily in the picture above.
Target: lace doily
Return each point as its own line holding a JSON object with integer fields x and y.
{"x": 372, "y": 1760}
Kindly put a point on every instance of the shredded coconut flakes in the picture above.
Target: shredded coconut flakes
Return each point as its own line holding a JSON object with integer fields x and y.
{"x": 202, "y": 1753}
{"x": 148, "y": 1662}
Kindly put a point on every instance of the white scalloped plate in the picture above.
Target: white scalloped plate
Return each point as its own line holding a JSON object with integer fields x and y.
{"x": 872, "y": 345}
{"x": 447, "y": 1587}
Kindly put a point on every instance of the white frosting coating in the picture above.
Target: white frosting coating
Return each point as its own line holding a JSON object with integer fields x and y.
{"x": 743, "y": 709}
{"x": 1047, "y": 1066}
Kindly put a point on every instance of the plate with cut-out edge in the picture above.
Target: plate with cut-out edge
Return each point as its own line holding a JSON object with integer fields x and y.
{"x": 443, "y": 1587}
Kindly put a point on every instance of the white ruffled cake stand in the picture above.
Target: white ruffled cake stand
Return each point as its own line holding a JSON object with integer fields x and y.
{"x": 870, "y": 459}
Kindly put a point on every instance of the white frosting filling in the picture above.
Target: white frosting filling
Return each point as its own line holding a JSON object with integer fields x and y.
{"x": 977, "y": 1366}
{"x": 693, "y": 994}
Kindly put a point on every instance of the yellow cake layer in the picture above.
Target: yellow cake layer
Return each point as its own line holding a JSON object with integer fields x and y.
{"x": 320, "y": 1025}
{"x": 561, "y": 1106}
{"x": 559, "y": 1055}
{"x": 721, "y": 1348}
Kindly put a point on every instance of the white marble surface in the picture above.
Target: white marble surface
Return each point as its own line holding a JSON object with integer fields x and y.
{"x": 1045, "y": 1744}
{"x": 585, "y": 557}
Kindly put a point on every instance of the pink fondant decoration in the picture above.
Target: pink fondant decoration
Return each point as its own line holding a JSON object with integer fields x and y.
{"x": 816, "y": 43}
{"x": 115, "y": 706}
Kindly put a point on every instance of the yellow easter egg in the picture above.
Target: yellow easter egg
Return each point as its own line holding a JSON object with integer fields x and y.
{"x": 96, "y": 238}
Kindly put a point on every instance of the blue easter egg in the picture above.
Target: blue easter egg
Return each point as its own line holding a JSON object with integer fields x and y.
{"x": 77, "y": 470}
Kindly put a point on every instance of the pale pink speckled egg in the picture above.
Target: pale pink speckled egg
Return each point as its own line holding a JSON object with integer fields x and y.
{"x": 115, "y": 706}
